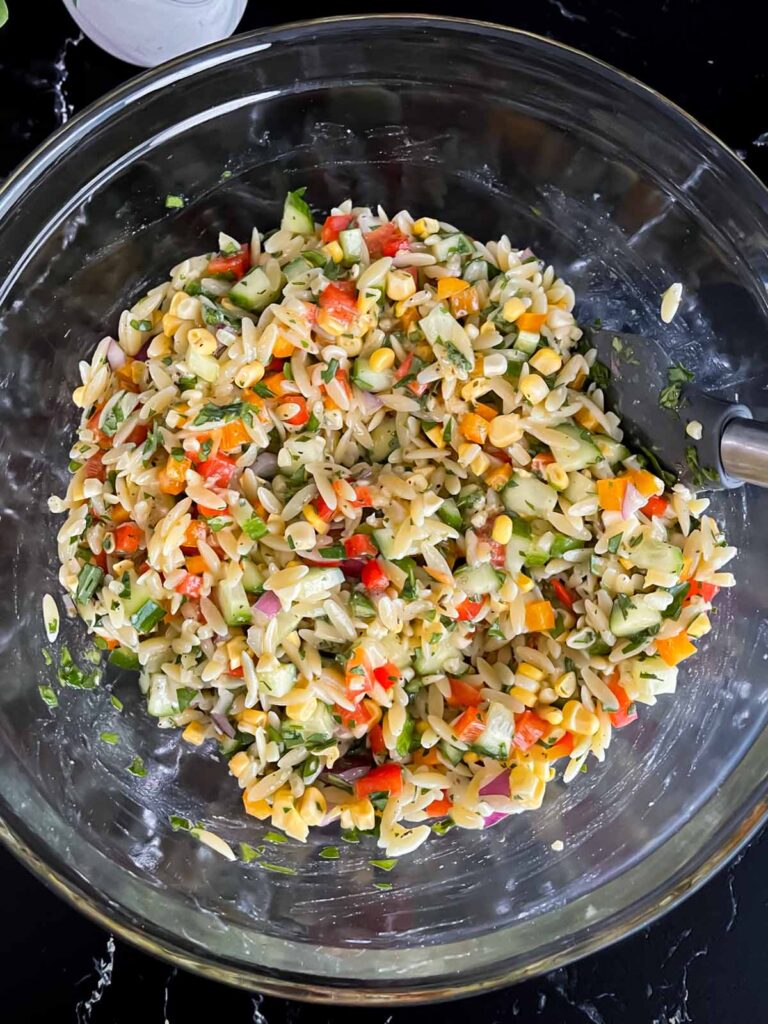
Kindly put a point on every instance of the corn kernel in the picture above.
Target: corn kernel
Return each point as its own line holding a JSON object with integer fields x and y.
{"x": 330, "y": 324}
{"x": 426, "y": 226}
{"x": 524, "y": 669}
{"x": 291, "y": 822}
{"x": 194, "y": 733}
{"x": 358, "y": 814}
{"x": 382, "y": 359}
{"x": 467, "y": 452}
{"x": 524, "y": 696}
{"x": 312, "y": 806}
{"x": 202, "y": 341}
{"x": 585, "y": 418}
{"x": 184, "y": 306}
{"x": 447, "y": 286}
{"x": 524, "y": 583}
{"x": 171, "y": 324}
{"x": 239, "y": 763}
{"x": 249, "y": 374}
{"x": 505, "y": 430}
{"x": 480, "y": 464}
{"x": 421, "y": 727}
{"x": 565, "y": 685}
{"x": 626, "y": 564}
{"x": 400, "y": 285}
{"x": 525, "y": 787}
{"x": 235, "y": 648}
{"x": 546, "y": 361}
{"x": 502, "y": 530}
{"x": 700, "y": 626}
{"x": 256, "y": 808}
{"x": 576, "y": 718}
{"x": 314, "y": 520}
{"x": 435, "y": 435}
{"x": 470, "y": 758}
{"x": 552, "y": 715}
{"x": 578, "y": 381}
{"x": 334, "y": 251}
{"x": 556, "y": 475}
{"x": 302, "y": 712}
{"x": 534, "y": 388}
{"x": 512, "y": 309}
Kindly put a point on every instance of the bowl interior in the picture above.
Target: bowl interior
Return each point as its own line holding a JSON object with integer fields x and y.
{"x": 498, "y": 133}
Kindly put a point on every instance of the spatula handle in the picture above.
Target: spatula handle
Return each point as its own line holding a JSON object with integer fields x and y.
{"x": 744, "y": 450}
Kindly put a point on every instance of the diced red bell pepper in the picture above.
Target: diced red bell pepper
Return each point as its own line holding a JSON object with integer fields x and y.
{"x": 440, "y": 807}
{"x": 128, "y": 536}
{"x": 655, "y": 506}
{"x": 376, "y": 740}
{"x": 387, "y": 675}
{"x": 706, "y": 591}
{"x": 138, "y": 435}
{"x": 463, "y": 695}
{"x": 238, "y": 672}
{"x": 95, "y": 468}
{"x": 562, "y": 748}
{"x": 469, "y": 726}
{"x": 323, "y": 510}
{"x": 218, "y": 470}
{"x": 563, "y": 594}
{"x": 405, "y": 367}
{"x": 301, "y": 416}
{"x": 387, "y": 778}
{"x": 338, "y": 299}
{"x": 359, "y": 545}
{"x": 541, "y": 461}
{"x": 100, "y": 560}
{"x": 102, "y": 440}
{"x": 234, "y": 265}
{"x": 469, "y": 609}
{"x": 386, "y": 240}
{"x": 334, "y": 225}
{"x": 190, "y": 586}
{"x": 365, "y": 713}
{"x": 498, "y": 551}
{"x": 627, "y": 711}
{"x": 373, "y": 577}
{"x": 529, "y": 729}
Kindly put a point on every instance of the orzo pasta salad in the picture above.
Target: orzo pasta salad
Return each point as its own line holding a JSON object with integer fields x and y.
{"x": 348, "y": 497}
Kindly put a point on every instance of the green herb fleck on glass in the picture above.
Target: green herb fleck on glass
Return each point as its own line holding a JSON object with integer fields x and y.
{"x": 382, "y": 886}
{"x": 109, "y": 737}
{"x": 136, "y": 767}
{"x": 48, "y": 695}
{"x": 330, "y": 853}
{"x": 174, "y": 202}
{"x": 250, "y": 853}
{"x": 385, "y": 865}
{"x": 275, "y": 837}
{"x": 278, "y": 869}
{"x": 116, "y": 703}
{"x": 180, "y": 824}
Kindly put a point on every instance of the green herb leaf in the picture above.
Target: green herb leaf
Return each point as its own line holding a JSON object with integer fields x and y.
{"x": 678, "y": 374}
{"x": 614, "y": 542}
{"x": 116, "y": 703}
{"x": 679, "y": 593}
{"x": 152, "y": 443}
{"x": 212, "y": 413}
{"x": 330, "y": 853}
{"x": 330, "y": 371}
{"x": 262, "y": 390}
{"x": 351, "y": 835}
{"x": 216, "y": 523}
{"x": 454, "y": 355}
{"x": 275, "y": 837}
{"x": 141, "y": 325}
{"x": 136, "y": 767}
{"x": 174, "y": 202}
{"x": 278, "y": 869}
{"x": 385, "y": 865}
{"x": 624, "y": 604}
{"x": 178, "y": 454}
{"x": 48, "y": 696}
{"x": 185, "y": 695}
{"x": 382, "y": 886}
{"x": 179, "y": 823}
{"x": 109, "y": 737}
{"x": 255, "y": 527}
{"x": 47, "y": 657}
{"x": 250, "y": 853}
{"x": 600, "y": 374}
{"x": 441, "y": 827}
{"x": 205, "y": 449}
{"x": 3, "y": 13}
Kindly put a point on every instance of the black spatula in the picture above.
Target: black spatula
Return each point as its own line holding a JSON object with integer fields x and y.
{"x": 657, "y": 399}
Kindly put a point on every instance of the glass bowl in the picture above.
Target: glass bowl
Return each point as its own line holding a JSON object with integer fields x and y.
{"x": 498, "y": 131}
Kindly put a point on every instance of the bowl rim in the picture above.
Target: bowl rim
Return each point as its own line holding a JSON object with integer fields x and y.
{"x": 72, "y": 887}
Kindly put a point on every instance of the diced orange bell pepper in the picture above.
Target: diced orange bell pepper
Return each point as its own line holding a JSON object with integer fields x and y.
{"x": 675, "y": 648}
{"x": 562, "y": 748}
{"x": 426, "y": 757}
{"x": 539, "y": 615}
{"x": 440, "y": 807}
{"x": 119, "y": 514}
{"x": 474, "y": 427}
{"x": 275, "y": 383}
{"x": 233, "y": 435}
{"x": 531, "y": 321}
{"x": 283, "y": 348}
{"x": 486, "y": 411}
{"x": 469, "y": 726}
{"x": 644, "y": 481}
{"x": 409, "y": 317}
{"x": 498, "y": 476}
{"x": 172, "y": 477}
{"x": 447, "y": 286}
{"x": 463, "y": 695}
{"x": 196, "y": 565}
{"x": 610, "y": 493}
{"x": 465, "y": 303}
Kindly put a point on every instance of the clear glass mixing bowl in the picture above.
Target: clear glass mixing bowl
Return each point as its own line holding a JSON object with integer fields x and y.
{"x": 497, "y": 131}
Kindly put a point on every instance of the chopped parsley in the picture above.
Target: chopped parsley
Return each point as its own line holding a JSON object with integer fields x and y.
{"x": 141, "y": 325}
{"x": 174, "y": 202}
{"x": 136, "y": 767}
{"x": 600, "y": 374}
{"x": 385, "y": 865}
{"x": 454, "y": 355}
{"x": 49, "y": 696}
{"x": 700, "y": 474}
{"x": 109, "y": 737}
{"x": 330, "y": 853}
{"x": 330, "y": 371}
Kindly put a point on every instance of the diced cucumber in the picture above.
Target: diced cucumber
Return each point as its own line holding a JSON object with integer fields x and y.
{"x": 318, "y": 580}
{"x": 453, "y": 754}
{"x": 468, "y": 499}
{"x": 361, "y": 607}
{"x": 393, "y": 651}
{"x": 449, "y": 340}
{"x": 286, "y": 623}
{"x": 449, "y": 514}
{"x": 384, "y": 539}
{"x": 253, "y": 578}
{"x": 371, "y": 380}
{"x": 233, "y": 603}
{"x": 586, "y": 454}
{"x": 655, "y": 554}
{"x": 121, "y": 657}
{"x": 147, "y": 616}
{"x": 245, "y": 516}
{"x": 561, "y": 543}
{"x": 612, "y": 451}
{"x": 432, "y": 662}
{"x": 205, "y": 367}
{"x": 444, "y": 248}
{"x": 405, "y": 739}
{"x": 477, "y": 579}
{"x": 632, "y": 615}
{"x": 278, "y": 681}
{"x": 496, "y": 738}
{"x": 384, "y": 439}
{"x": 528, "y": 497}
{"x": 258, "y": 288}
{"x": 476, "y": 270}
{"x": 579, "y": 487}
{"x": 654, "y": 674}
{"x": 525, "y": 551}
{"x": 136, "y": 598}
{"x": 527, "y": 341}
{"x": 297, "y": 216}
{"x": 162, "y": 700}
{"x": 351, "y": 242}
{"x": 296, "y": 269}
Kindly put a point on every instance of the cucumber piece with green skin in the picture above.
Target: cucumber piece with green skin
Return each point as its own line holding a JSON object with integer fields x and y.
{"x": 257, "y": 289}
{"x": 318, "y": 580}
{"x": 162, "y": 701}
{"x": 384, "y": 439}
{"x": 361, "y": 607}
{"x": 655, "y": 554}
{"x": 453, "y": 754}
{"x": 528, "y": 497}
{"x": 233, "y": 603}
{"x": 579, "y": 487}
{"x": 371, "y": 380}
{"x": 431, "y": 663}
{"x": 203, "y": 366}
{"x": 148, "y": 616}
{"x": 137, "y": 597}
{"x": 655, "y": 674}
{"x": 450, "y": 515}
{"x": 475, "y": 580}
{"x": 562, "y": 543}
{"x": 286, "y": 623}
{"x": 351, "y": 242}
{"x": 496, "y": 738}
{"x": 253, "y": 578}
{"x": 587, "y": 453}
{"x": 297, "y": 216}
{"x": 278, "y": 681}
{"x": 468, "y": 499}
{"x": 443, "y": 248}
{"x": 476, "y": 270}
{"x": 632, "y": 615}
{"x": 527, "y": 341}
{"x": 297, "y": 269}
{"x": 245, "y": 516}
{"x": 121, "y": 657}
{"x": 525, "y": 552}
{"x": 612, "y": 451}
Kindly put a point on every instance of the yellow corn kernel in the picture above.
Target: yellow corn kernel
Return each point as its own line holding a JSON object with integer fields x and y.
{"x": 421, "y": 727}
{"x": 513, "y": 308}
{"x": 235, "y": 648}
{"x": 585, "y": 419}
{"x": 184, "y": 306}
{"x": 358, "y": 814}
{"x": 312, "y": 806}
{"x": 249, "y": 374}
{"x": 260, "y": 809}
{"x": 239, "y": 763}
{"x": 334, "y": 251}
{"x": 700, "y": 626}
{"x": 556, "y": 475}
{"x": 576, "y": 718}
{"x": 426, "y": 226}
{"x": 524, "y": 669}
{"x": 381, "y": 359}
{"x": 505, "y": 430}
{"x": 565, "y": 685}
{"x": 194, "y": 733}
{"x": 202, "y": 341}
{"x": 546, "y": 361}
{"x": 502, "y": 529}
{"x": 470, "y": 758}
{"x": 290, "y": 821}
{"x": 626, "y": 564}
{"x": 158, "y": 348}
{"x": 467, "y": 453}
{"x": 254, "y": 717}
{"x": 314, "y": 520}
{"x": 435, "y": 435}
{"x": 534, "y": 388}
{"x": 578, "y": 381}
{"x": 498, "y": 476}
{"x": 302, "y": 712}
{"x": 400, "y": 285}
{"x": 524, "y": 696}
{"x": 685, "y": 572}
{"x": 525, "y": 787}
{"x": 171, "y": 324}
{"x": 480, "y": 464}
{"x": 552, "y": 715}
{"x": 524, "y": 583}
{"x": 447, "y": 286}
{"x": 330, "y": 325}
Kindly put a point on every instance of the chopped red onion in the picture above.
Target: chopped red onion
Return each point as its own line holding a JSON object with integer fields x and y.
{"x": 352, "y": 566}
{"x": 352, "y": 767}
{"x": 494, "y": 818}
{"x": 223, "y": 724}
{"x": 268, "y": 605}
{"x": 498, "y": 786}
{"x": 115, "y": 355}
{"x": 370, "y": 402}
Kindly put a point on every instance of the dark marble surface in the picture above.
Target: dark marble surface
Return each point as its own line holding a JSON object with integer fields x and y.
{"x": 705, "y": 961}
